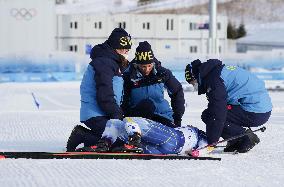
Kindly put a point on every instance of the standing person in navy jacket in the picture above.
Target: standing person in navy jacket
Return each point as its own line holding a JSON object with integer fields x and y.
{"x": 237, "y": 99}
{"x": 144, "y": 84}
{"x": 101, "y": 88}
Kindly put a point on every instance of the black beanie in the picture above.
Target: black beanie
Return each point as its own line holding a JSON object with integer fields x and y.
{"x": 119, "y": 39}
{"x": 144, "y": 53}
{"x": 191, "y": 70}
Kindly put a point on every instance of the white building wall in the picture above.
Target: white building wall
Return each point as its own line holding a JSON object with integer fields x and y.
{"x": 166, "y": 48}
{"x": 27, "y": 25}
{"x": 122, "y": 20}
{"x": 168, "y": 34}
{"x": 166, "y": 26}
{"x": 97, "y": 27}
{"x": 143, "y": 26}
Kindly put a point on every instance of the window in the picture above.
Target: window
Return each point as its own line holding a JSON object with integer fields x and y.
{"x": 219, "y": 26}
{"x": 98, "y": 25}
{"x": 71, "y": 25}
{"x": 75, "y": 24}
{"x": 146, "y": 25}
{"x": 122, "y": 25}
{"x": 193, "y": 49}
{"x": 220, "y": 49}
{"x": 73, "y": 48}
{"x": 170, "y": 24}
{"x": 192, "y": 26}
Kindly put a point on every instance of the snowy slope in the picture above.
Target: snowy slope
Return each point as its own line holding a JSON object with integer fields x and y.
{"x": 25, "y": 128}
{"x": 97, "y": 7}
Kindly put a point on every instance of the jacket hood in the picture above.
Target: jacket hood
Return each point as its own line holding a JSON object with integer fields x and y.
{"x": 208, "y": 66}
{"x": 104, "y": 50}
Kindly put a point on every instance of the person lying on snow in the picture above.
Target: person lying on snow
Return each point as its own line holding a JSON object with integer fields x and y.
{"x": 142, "y": 135}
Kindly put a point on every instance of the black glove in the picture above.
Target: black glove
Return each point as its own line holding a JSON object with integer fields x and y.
{"x": 177, "y": 122}
{"x": 188, "y": 73}
{"x": 177, "y": 119}
{"x": 191, "y": 70}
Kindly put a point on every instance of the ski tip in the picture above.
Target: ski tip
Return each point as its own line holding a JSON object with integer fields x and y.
{"x": 194, "y": 153}
{"x": 2, "y": 157}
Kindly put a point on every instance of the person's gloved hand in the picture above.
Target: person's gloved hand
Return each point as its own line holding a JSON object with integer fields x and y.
{"x": 177, "y": 122}
{"x": 205, "y": 151}
{"x": 188, "y": 73}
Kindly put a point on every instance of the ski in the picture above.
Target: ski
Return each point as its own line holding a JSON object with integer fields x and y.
{"x": 94, "y": 155}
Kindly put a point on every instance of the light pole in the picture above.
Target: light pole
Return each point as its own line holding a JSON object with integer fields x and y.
{"x": 212, "y": 40}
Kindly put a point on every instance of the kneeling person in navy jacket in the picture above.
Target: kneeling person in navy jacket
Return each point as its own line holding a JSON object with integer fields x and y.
{"x": 101, "y": 89}
{"x": 236, "y": 99}
{"x": 144, "y": 84}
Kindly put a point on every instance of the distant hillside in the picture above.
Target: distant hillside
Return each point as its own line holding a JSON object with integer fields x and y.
{"x": 246, "y": 11}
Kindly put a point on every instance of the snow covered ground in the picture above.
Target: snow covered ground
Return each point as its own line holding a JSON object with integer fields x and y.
{"x": 26, "y": 128}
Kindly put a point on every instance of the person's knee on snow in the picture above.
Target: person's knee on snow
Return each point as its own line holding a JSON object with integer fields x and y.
{"x": 80, "y": 135}
{"x": 205, "y": 116}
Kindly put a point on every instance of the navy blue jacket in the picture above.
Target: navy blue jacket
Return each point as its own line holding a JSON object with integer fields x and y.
{"x": 138, "y": 87}
{"x": 229, "y": 85}
{"x": 102, "y": 85}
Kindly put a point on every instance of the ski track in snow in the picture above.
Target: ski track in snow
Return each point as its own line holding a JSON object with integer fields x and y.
{"x": 25, "y": 128}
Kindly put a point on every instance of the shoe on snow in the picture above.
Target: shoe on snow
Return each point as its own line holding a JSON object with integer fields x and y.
{"x": 232, "y": 145}
{"x": 248, "y": 142}
{"x": 76, "y": 137}
{"x": 103, "y": 145}
{"x": 243, "y": 144}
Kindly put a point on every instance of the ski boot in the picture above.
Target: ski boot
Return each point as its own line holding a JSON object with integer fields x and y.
{"x": 103, "y": 145}
{"x": 133, "y": 146}
{"x": 248, "y": 142}
{"x": 76, "y": 137}
{"x": 243, "y": 144}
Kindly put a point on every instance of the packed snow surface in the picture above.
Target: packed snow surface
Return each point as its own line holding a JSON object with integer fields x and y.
{"x": 24, "y": 127}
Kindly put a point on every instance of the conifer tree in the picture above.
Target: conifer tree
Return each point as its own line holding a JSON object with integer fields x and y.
{"x": 241, "y": 31}
{"x": 231, "y": 31}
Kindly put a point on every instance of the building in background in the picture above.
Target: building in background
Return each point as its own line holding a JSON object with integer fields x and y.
{"x": 169, "y": 34}
{"x": 267, "y": 39}
{"x": 28, "y": 25}
{"x": 34, "y": 26}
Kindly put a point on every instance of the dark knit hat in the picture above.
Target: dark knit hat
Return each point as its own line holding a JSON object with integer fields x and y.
{"x": 144, "y": 53}
{"x": 119, "y": 39}
{"x": 191, "y": 70}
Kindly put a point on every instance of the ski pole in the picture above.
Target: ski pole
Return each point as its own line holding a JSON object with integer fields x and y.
{"x": 209, "y": 148}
